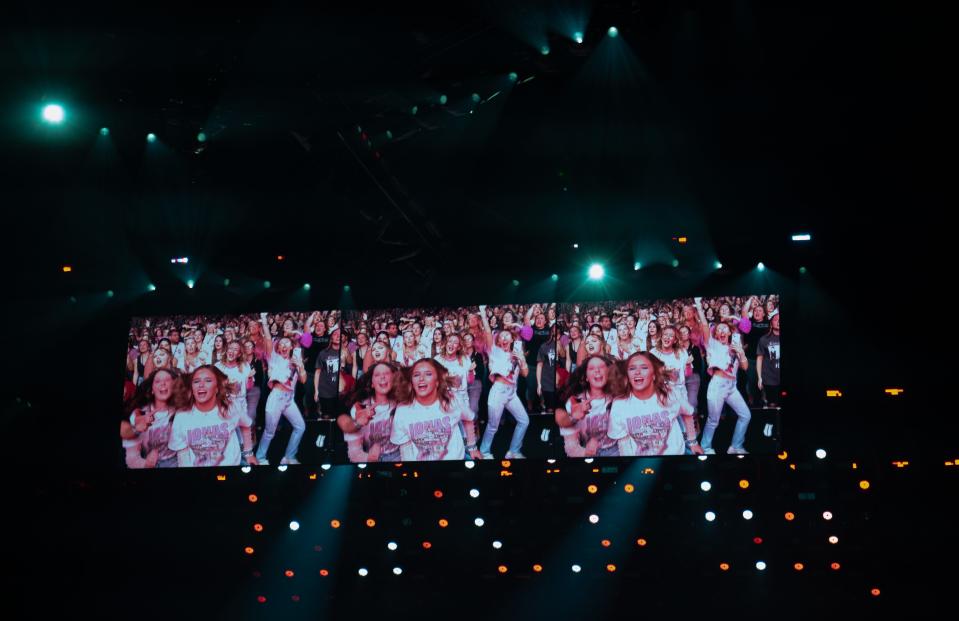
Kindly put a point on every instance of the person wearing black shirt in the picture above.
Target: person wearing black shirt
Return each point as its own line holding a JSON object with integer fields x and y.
{"x": 316, "y": 328}
{"x": 546, "y": 371}
{"x": 326, "y": 378}
{"x": 760, "y": 326}
{"x": 541, "y": 332}
{"x": 768, "y": 362}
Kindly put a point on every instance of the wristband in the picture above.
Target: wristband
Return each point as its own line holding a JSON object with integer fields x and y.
{"x": 692, "y": 442}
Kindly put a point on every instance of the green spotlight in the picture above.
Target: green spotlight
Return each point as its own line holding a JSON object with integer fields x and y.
{"x": 802, "y": 270}
{"x": 104, "y": 131}
{"x": 53, "y": 114}
{"x": 761, "y": 267}
{"x": 554, "y": 277}
{"x": 110, "y": 293}
{"x": 513, "y": 76}
{"x": 151, "y": 137}
{"x": 414, "y": 110}
{"x": 578, "y": 37}
{"x": 389, "y": 135}
{"x": 637, "y": 266}
{"x": 613, "y": 32}
{"x": 266, "y": 284}
{"x": 306, "y": 287}
{"x": 201, "y": 137}
{"x": 73, "y": 299}
{"x": 718, "y": 265}
{"x": 443, "y": 100}
{"x": 596, "y": 272}
{"x": 515, "y": 283}
{"x": 226, "y": 282}
{"x": 475, "y": 97}
{"x": 675, "y": 262}
{"x": 151, "y": 287}
{"x": 544, "y": 50}
{"x": 190, "y": 283}
{"x": 346, "y": 288}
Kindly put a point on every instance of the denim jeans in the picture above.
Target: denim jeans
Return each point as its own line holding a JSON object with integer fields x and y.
{"x": 721, "y": 391}
{"x": 281, "y": 403}
{"x": 503, "y": 396}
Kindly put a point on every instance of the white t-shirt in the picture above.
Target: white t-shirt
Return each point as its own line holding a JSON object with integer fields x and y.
{"x": 594, "y": 425}
{"x": 178, "y": 349}
{"x": 237, "y": 377}
{"x": 460, "y": 367}
{"x": 721, "y": 357}
{"x": 396, "y": 344}
{"x": 675, "y": 365}
{"x": 377, "y": 431}
{"x": 503, "y": 364}
{"x": 623, "y": 353}
{"x": 199, "y": 360}
{"x": 207, "y": 438}
{"x": 428, "y": 433}
{"x": 157, "y": 435}
{"x": 283, "y": 371}
{"x": 649, "y": 427}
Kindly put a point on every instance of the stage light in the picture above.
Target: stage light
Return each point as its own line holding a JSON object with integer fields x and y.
{"x": 821, "y": 453}
{"x": 294, "y": 526}
{"x": 613, "y": 32}
{"x": 474, "y": 493}
{"x": 705, "y": 486}
{"x": 414, "y": 110}
{"x": 758, "y": 540}
{"x": 515, "y": 283}
{"x": 578, "y": 37}
{"x": 875, "y": 592}
{"x": 628, "y": 488}
{"x": 760, "y": 266}
{"x": 110, "y": 293}
{"x": 761, "y": 566}
{"x": 248, "y": 550}
{"x": 104, "y": 131}
{"x": 864, "y": 485}
{"x": 189, "y": 284}
{"x": 611, "y": 568}
{"x": 288, "y": 573}
{"x": 724, "y": 566}
{"x": 502, "y": 569}
{"x": 443, "y": 523}
{"x": 790, "y": 516}
{"x": 710, "y": 516}
{"x": 392, "y": 545}
{"x": 266, "y": 284}
{"x": 281, "y": 467}
{"x": 443, "y": 100}
{"x": 497, "y": 545}
{"x": 226, "y": 282}
{"x": 641, "y": 543}
{"x": 397, "y": 571}
{"x": 675, "y": 263}
{"x": 718, "y": 265}
{"x": 479, "y": 521}
{"x": 252, "y": 498}
{"x": 324, "y": 572}
{"x": 703, "y": 457}
{"x": 594, "y": 519}
{"x": 596, "y": 271}
{"x": 258, "y": 528}
{"x": 544, "y": 50}
{"x": 53, "y": 113}
{"x": 835, "y": 566}
{"x": 370, "y": 523}
{"x": 513, "y": 76}
{"x": 554, "y": 277}
{"x": 469, "y": 464}
{"x": 588, "y": 460}
{"x": 261, "y": 599}
{"x": 575, "y": 245}
{"x": 592, "y": 489}
{"x": 802, "y": 270}
{"x": 363, "y": 572}
{"x": 346, "y": 288}
{"x": 67, "y": 269}
{"x": 833, "y": 539}
{"x": 637, "y": 266}
{"x": 802, "y": 237}
{"x": 799, "y": 566}
{"x": 325, "y": 466}
{"x": 151, "y": 287}
{"x": 476, "y": 97}
{"x": 576, "y": 569}
{"x": 827, "y": 515}
{"x": 201, "y": 137}
{"x": 427, "y": 545}
{"x": 151, "y": 137}
{"x": 747, "y": 514}
{"x": 438, "y": 494}
{"x": 306, "y": 286}
{"x": 744, "y": 484}
{"x": 334, "y": 523}
{"x": 537, "y": 568}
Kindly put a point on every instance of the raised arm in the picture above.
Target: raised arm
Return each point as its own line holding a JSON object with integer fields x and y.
{"x": 265, "y": 341}
{"x": 487, "y": 332}
{"x": 703, "y": 324}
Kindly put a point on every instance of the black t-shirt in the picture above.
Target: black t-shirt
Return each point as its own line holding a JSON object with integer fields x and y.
{"x": 328, "y": 363}
{"x": 759, "y": 330}
{"x": 770, "y": 351}
{"x": 533, "y": 345}
{"x": 547, "y": 355}
{"x": 697, "y": 355}
{"x": 309, "y": 353}
{"x": 480, "y": 372}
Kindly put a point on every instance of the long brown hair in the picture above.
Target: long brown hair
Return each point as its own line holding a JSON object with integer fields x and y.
{"x": 578, "y": 383}
{"x": 623, "y": 389}
{"x": 363, "y": 388}
{"x": 224, "y": 392}
{"x": 403, "y": 386}
{"x": 144, "y": 392}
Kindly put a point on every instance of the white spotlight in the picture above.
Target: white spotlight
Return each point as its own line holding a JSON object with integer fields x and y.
{"x": 294, "y": 525}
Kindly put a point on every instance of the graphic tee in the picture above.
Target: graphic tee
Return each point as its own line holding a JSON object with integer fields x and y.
{"x": 595, "y": 425}
{"x": 207, "y": 438}
{"x": 428, "y": 433}
{"x": 377, "y": 431}
{"x": 649, "y": 426}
